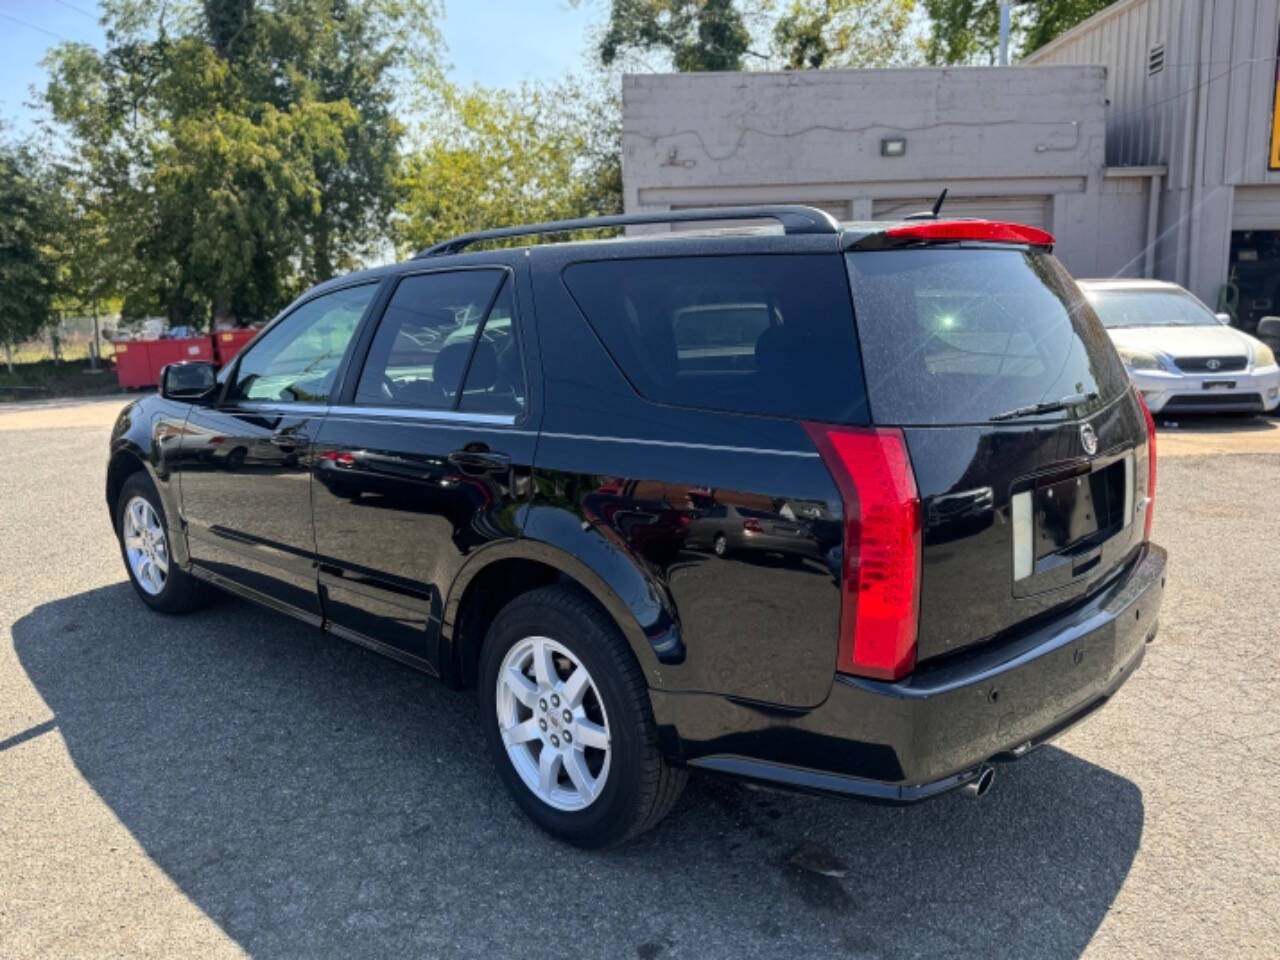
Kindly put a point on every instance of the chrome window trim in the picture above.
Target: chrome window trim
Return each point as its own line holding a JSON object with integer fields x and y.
{"x": 443, "y": 417}
{"x": 271, "y": 406}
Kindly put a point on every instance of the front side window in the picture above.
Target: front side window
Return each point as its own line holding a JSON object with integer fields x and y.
{"x": 297, "y": 360}
{"x": 424, "y": 341}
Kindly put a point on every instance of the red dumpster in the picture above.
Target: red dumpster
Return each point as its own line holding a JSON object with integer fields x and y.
{"x": 138, "y": 362}
{"x": 133, "y": 365}
{"x": 227, "y": 343}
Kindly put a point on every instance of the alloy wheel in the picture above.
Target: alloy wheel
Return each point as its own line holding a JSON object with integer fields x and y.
{"x": 553, "y": 723}
{"x": 145, "y": 545}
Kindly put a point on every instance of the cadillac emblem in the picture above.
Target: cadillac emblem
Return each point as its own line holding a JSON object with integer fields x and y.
{"x": 1089, "y": 440}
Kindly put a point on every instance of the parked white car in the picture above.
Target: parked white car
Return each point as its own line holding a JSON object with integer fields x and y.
{"x": 1183, "y": 356}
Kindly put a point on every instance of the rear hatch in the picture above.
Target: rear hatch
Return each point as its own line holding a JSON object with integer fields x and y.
{"x": 1027, "y": 443}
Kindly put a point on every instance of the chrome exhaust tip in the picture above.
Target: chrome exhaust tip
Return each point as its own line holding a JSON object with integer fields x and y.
{"x": 979, "y": 785}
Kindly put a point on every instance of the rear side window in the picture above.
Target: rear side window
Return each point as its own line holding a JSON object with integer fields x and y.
{"x": 750, "y": 334}
{"x": 960, "y": 335}
{"x": 426, "y": 337}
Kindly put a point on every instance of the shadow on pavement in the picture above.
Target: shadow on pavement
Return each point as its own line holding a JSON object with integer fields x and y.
{"x": 314, "y": 799}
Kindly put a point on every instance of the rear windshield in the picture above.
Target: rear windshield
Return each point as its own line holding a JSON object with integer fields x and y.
{"x": 749, "y": 334}
{"x": 1149, "y": 308}
{"x": 954, "y": 335}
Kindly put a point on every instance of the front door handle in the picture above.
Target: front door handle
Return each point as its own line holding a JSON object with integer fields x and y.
{"x": 475, "y": 460}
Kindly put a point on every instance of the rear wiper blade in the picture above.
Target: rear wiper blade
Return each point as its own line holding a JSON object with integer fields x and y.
{"x": 1047, "y": 406}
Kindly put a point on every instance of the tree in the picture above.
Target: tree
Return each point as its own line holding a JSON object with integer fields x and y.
{"x": 244, "y": 149}
{"x": 845, "y": 33}
{"x": 788, "y": 34}
{"x": 28, "y": 215}
{"x": 699, "y": 34}
{"x": 968, "y": 31}
{"x": 501, "y": 157}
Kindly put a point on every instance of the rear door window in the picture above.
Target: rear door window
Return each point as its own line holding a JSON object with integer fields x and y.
{"x": 752, "y": 334}
{"x": 425, "y": 338}
{"x": 956, "y": 335}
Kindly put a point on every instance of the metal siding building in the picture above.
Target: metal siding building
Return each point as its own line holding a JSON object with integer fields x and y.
{"x": 1192, "y": 84}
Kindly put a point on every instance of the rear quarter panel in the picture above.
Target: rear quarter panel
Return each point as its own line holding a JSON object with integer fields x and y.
{"x": 619, "y": 482}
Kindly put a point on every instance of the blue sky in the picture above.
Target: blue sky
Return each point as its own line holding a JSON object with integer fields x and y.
{"x": 494, "y": 42}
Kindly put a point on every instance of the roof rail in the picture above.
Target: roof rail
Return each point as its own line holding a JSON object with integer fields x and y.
{"x": 794, "y": 219}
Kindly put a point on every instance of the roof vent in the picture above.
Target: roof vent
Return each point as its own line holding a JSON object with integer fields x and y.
{"x": 1155, "y": 59}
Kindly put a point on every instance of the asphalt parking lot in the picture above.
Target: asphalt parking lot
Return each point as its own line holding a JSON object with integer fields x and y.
{"x": 237, "y": 783}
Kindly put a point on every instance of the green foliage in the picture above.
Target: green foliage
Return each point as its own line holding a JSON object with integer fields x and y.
{"x": 699, "y": 34}
{"x": 29, "y": 215}
{"x": 844, "y": 33}
{"x": 498, "y": 157}
{"x": 241, "y": 150}
{"x": 1048, "y": 20}
{"x": 968, "y": 31}
{"x": 787, "y": 34}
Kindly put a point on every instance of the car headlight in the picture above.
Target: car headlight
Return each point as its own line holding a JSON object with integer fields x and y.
{"x": 1139, "y": 359}
{"x": 1263, "y": 356}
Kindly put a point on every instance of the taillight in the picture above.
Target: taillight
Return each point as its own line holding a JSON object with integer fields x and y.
{"x": 1151, "y": 466}
{"x": 880, "y": 598}
{"x": 992, "y": 231}
{"x": 752, "y": 526}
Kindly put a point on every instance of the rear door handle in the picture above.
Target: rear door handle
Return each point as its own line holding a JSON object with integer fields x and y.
{"x": 289, "y": 441}
{"x": 480, "y": 460}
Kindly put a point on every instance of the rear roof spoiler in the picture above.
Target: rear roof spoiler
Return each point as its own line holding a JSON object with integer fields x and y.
{"x": 953, "y": 231}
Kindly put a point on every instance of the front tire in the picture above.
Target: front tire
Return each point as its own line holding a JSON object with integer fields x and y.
{"x": 144, "y": 545}
{"x": 568, "y": 722}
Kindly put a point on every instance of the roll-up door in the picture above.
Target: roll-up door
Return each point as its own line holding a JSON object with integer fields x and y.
{"x": 1033, "y": 211}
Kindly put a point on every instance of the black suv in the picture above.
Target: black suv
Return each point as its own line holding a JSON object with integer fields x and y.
{"x": 508, "y": 467}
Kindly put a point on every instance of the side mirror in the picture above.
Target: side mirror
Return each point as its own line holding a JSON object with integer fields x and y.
{"x": 189, "y": 381}
{"x": 1269, "y": 332}
{"x": 1224, "y": 319}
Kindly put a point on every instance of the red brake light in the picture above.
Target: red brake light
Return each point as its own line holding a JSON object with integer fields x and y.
{"x": 989, "y": 230}
{"x": 880, "y": 602}
{"x": 752, "y": 525}
{"x": 1151, "y": 467}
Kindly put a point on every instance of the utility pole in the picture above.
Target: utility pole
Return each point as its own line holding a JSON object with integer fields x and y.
{"x": 1005, "y": 7}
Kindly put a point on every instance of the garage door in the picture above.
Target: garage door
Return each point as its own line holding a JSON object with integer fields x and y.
{"x": 1032, "y": 211}
{"x": 1256, "y": 208}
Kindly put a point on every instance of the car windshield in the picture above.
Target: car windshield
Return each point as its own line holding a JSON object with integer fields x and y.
{"x": 1149, "y": 308}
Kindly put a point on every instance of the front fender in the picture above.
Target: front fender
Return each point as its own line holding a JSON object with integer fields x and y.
{"x": 148, "y": 432}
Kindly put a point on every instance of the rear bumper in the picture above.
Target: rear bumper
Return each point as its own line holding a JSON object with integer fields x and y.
{"x": 930, "y": 733}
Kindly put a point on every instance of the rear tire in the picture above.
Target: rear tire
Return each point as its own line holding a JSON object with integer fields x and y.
{"x": 609, "y": 784}
{"x": 144, "y": 544}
